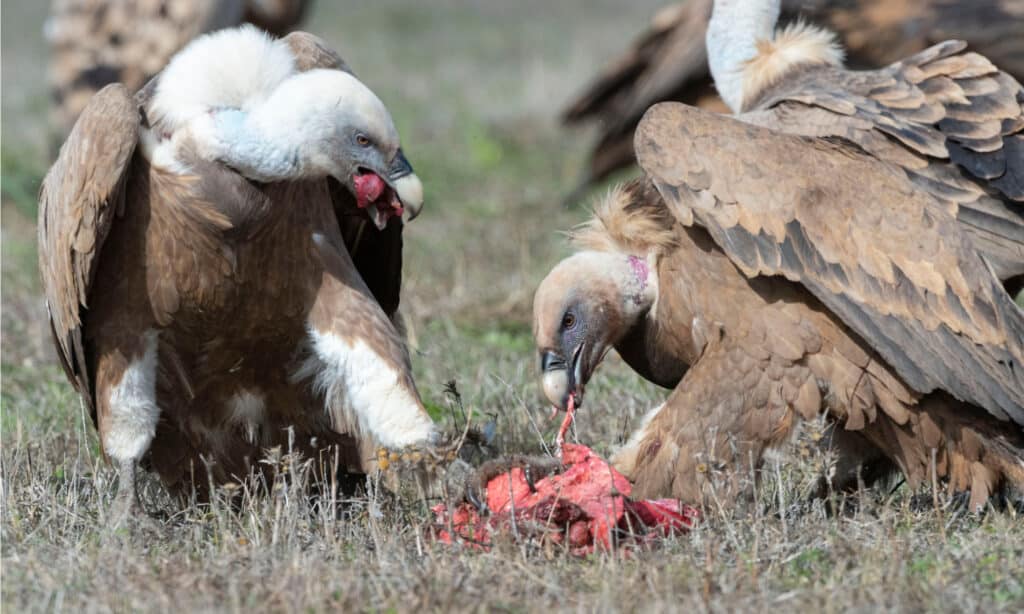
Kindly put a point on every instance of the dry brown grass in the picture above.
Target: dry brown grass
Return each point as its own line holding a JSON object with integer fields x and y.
{"x": 474, "y": 85}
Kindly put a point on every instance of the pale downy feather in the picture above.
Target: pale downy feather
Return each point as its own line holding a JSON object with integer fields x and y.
{"x": 235, "y": 68}
{"x": 797, "y": 45}
{"x": 628, "y": 221}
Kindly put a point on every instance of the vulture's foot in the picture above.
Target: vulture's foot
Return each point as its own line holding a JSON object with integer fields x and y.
{"x": 128, "y": 511}
{"x": 428, "y": 469}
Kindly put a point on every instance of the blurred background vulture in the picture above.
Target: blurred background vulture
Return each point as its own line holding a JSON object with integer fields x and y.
{"x": 669, "y": 60}
{"x": 94, "y": 43}
{"x": 768, "y": 277}
{"x": 221, "y": 259}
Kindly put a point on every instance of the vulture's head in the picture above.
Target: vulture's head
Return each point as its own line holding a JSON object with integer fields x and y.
{"x": 586, "y": 305}
{"x": 337, "y": 127}
{"x": 236, "y": 97}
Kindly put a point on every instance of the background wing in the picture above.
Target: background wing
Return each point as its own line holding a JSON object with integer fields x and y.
{"x": 668, "y": 61}
{"x": 376, "y": 254}
{"x": 881, "y": 254}
{"x": 275, "y": 16}
{"x": 81, "y": 196}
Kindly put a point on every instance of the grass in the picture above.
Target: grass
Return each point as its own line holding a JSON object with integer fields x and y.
{"x": 474, "y": 87}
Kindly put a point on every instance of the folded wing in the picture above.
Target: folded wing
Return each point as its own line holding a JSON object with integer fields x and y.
{"x": 81, "y": 197}
{"x": 883, "y": 255}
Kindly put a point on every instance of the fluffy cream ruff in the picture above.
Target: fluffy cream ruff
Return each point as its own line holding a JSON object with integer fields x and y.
{"x": 236, "y": 68}
{"x": 630, "y": 219}
{"x": 796, "y": 45}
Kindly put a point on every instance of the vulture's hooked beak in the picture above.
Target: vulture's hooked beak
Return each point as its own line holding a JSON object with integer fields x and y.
{"x": 385, "y": 194}
{"x": 406, "y": 184}
{"x": 560, "y": 380}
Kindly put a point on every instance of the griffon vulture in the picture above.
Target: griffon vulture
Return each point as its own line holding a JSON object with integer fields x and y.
{"x": 669, "y": 61}
{"x": 195, "y": 254}
{"x": 769, "y": 278}
{"x": 94, "y": 43}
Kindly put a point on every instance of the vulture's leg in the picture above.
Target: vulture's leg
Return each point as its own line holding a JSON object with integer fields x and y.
{"x": 127, "y": 411}
{"x": 360, "y": 361}
{"x": 858, "y": 463}
{"x": 703, "y": 444}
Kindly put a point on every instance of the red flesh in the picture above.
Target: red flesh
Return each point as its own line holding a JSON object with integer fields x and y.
{"x": 584, "y": 507}
{"x": 369, "y": 187}
{"x": 570, "y": 415}
{"x": 372, "y": 190}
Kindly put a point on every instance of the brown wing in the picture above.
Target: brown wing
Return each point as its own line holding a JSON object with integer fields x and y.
{"x": 376, "y": 254}
{"x": 669, "y": 60}
{"x": 82, "y": 194}
{"x": 949, "y": 118}
{"x": 882, "y": 254}
{"x": 665, "y": 59}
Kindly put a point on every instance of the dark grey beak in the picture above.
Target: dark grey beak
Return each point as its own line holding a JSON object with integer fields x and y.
{"x": 406, "y": 184}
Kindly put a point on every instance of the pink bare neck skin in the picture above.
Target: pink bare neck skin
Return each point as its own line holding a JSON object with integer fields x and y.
{"x": 641, "y": 270}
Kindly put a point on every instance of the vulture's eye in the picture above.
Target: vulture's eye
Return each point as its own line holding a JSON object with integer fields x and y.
{"x": 363, "y": 140}
{"x": 568, "y": 321}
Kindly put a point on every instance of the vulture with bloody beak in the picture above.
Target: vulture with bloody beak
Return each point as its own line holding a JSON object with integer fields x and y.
{"x": 669, "y": 60}
{"x": 221, "y": 260}
{"x": 771, "y": 278}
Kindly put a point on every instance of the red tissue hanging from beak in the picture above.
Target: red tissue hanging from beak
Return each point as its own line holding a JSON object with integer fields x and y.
{"x": 372, "y": 190}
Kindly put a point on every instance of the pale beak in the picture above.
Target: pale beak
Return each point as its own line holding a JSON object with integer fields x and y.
{"x": 406, "y": 184}
{"x": 559, "y": 380}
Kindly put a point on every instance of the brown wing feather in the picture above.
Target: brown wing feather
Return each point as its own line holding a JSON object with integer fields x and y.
{"x": 883, "y": 255}
{"x": 82, "y": 194}
{"x": 949, "y": 118}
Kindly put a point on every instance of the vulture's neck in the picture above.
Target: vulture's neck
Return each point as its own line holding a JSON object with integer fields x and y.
{"x": 242, "y": 141}
{"x": 734, "y": 31}
{"x": 647, "y": 349}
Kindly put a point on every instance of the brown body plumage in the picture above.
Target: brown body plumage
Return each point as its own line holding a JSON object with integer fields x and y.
{"x": 669, "y": 60}
{"x": 94, "y": 43}
{"x": 217, "y": 302}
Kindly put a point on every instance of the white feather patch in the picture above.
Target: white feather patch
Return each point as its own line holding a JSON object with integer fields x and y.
{"x": 248, "y": 409}
{"x": 133, "y": 409}
{"x": 233, "y": 68}
{"x": 364, "y": 394}
{"x": 624, "y": 459}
